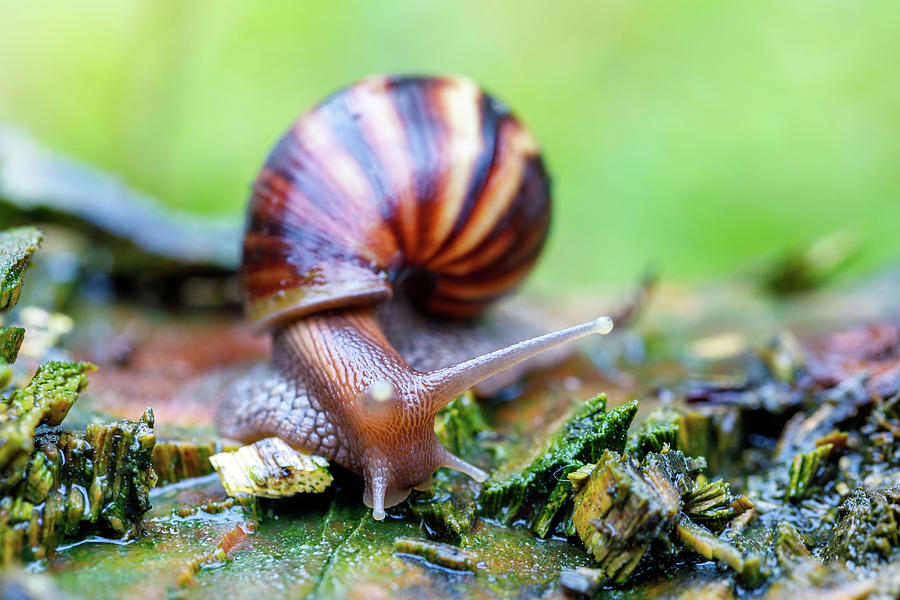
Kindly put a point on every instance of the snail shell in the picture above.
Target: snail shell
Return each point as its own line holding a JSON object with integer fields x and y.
{"x": 420, "y": 184}
{"x": 425, "y": 183}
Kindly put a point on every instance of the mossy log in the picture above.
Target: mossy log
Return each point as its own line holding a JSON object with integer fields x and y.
{"x": 539, "y": 490}
{"x": 73, "y": 484}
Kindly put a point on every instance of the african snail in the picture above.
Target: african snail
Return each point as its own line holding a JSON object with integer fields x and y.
{"x": 424, "y": 184}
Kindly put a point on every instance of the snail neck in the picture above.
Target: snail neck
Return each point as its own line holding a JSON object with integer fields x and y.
{"x": 356, "y": 376}
{"x": 345, "y": 356}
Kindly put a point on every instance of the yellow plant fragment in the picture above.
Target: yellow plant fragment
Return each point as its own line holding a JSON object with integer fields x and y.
{"x": 272, "y": 469}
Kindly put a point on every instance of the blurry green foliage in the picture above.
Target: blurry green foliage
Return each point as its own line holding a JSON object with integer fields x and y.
{"x": 693, "y": 135}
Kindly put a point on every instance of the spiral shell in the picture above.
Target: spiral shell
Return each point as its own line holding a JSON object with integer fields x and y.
{"x": 426, "y": 182}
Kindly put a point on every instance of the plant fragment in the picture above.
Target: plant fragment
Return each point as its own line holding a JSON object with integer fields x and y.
{"x": 804, "y": 470}
{"x": 73, "y": 484}
{"x": 868, "y": 527}
{"x": 623, "y": 508}
{"x": 659, "y": 431}
{"x": 10, "y": 342}
{"x": 44, "y": 401}
{"x": 539, "y": 490}
{"x": 711, "y": 503}
{"x": 619, "y": 512}
{"x": 705, "y": 543}
{"x": 447, "y": 509}
{"x": 443, "y": 555}
{"x": 16, "y": 247}
{"x": 229, "y": 543}
{"x": 271, "y": 469}
{"x": 175, "y": 460}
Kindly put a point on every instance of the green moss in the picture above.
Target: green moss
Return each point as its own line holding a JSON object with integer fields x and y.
{"x": 458, "y": 425}
{"x": 867, "y": 528}
{"x": 44, "y": 401}
{"x": 72, "y": 485}
{"x": 10, "y": 342}
{"x": 654, "y": 434}
{"x": 16, "y": 247}
{"x": 444, "y": 514}
{"x": 805, "y": 469}
{"x": 539, "y": 490}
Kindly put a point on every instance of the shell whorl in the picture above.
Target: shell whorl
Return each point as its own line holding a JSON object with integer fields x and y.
{"x": 423, "y": 179}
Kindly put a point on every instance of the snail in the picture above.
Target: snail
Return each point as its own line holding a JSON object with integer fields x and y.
{"x": 423, "y": 187}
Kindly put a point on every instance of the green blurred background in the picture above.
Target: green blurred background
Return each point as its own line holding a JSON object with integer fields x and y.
{"x": 692, "y": 135}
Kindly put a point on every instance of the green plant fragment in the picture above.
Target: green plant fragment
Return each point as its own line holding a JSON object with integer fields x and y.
{"x": 443, "y": 555}
{"x": 705, "y": 543}
{"x": 540, "y": 490}
{"x": 458, "y": 424}
{"x": 270, "y": 468}
{"x": 620, "y": 511}
{"x": 867, "y": 528}
{"x": 789, "y": 546}
{"x": 44, "y": 401}
{"x": 16, "y": 247}
{"x": 10, "y": 342}
{"x": 447, "y": 510}
{"x": 804, "y": 470}
{"x": 75, "y": 484}
{"x": 175, "y": 460}
{"x": 657, "y": 432}
{"x": 712, "y": 504}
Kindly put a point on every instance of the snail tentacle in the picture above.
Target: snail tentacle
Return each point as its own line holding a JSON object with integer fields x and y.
{"x": 452, "y": 381}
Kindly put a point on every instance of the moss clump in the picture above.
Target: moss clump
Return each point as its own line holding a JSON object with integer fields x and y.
{"x": 10, "y": 342}
{"x": 867, "y": 528}
{"x": 654, "y": 435}
{"x": 459, "y": 424}
{"x": 444, "y": 514}
{"x": 73, "y": 484}
{"x": 44, "y": 401}
{"x": 805, "y": 469}
{"x": 539, "y": 491}
{"x": 16, "y": 247}
{"x": 712, "y": 504}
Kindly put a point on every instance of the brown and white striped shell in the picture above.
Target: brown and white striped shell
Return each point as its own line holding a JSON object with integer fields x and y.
{"x": 423, "y": 182}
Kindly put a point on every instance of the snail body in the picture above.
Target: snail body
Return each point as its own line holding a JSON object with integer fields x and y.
{"x": 420, "y": 185}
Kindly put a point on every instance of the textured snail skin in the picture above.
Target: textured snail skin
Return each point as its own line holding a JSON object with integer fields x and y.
{"x": 423, "y": 185}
